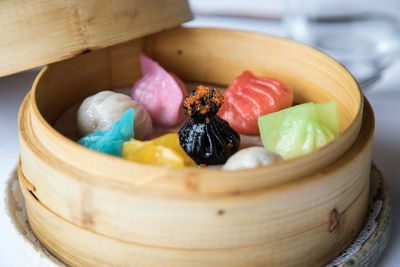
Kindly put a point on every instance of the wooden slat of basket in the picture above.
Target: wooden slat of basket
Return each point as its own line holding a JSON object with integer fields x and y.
{"x": 35, "y": 33}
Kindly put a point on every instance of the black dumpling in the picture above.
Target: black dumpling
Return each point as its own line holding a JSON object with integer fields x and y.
{"x": 207, "y": 138}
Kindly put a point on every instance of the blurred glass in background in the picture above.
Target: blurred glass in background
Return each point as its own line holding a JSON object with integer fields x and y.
{"x": 362, "y": 35}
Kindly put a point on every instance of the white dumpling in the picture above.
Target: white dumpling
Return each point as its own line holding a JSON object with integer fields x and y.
{"x": 250, "y": 157}
{"x": 100, "y": 111}
{"x": 143, "y": 125}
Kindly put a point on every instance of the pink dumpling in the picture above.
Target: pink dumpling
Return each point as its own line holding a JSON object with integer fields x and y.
{"x": 160, "y": 92}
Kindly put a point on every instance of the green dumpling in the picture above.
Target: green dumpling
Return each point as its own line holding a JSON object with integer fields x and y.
{"x": 299, "y": 130}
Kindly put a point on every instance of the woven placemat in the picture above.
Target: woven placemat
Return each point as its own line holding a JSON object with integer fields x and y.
{"x": 363, "y": 252}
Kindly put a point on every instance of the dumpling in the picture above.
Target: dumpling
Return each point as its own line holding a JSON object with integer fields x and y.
{"x": 250, "y": 97}
{"x": 299, "y": 130}
{"x": 164, "y": 150}
{"x": 110, "y": 141}
{"x": 160, "y": 92}
{"x": 251, "y": 157}
{"x": 100, "y": 111}
{"x": 205, "y": 137}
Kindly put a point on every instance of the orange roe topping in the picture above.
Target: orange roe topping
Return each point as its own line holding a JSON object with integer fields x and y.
{"x": 203, "y": 166}
{"x": 207, "y": 120}
{"x": 202, "y": 100}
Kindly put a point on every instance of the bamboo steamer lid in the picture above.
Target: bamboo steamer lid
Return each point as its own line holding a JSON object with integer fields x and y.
{"x": 46, "y": 31}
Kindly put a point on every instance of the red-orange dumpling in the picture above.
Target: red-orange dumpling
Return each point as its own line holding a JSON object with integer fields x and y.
{"x": 250, "y": 97}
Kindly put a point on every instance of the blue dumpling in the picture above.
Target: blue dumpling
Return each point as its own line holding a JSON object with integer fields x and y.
{"x": 110, "y": 141}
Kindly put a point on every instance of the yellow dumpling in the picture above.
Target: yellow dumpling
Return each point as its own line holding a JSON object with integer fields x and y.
{"x": 164, "y": 150}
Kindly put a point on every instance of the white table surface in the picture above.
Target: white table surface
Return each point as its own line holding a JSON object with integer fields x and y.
{"x": 384, "y": 97}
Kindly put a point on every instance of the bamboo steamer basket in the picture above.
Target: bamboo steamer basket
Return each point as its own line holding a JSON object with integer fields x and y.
{"x": 92, "y": 209}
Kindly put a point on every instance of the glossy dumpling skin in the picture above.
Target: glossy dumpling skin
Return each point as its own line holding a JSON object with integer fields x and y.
{"x": 160, "y": 92}
{"x": 110, "y": 141}
{"x": 251, "y": 157}
{"x": 250, "y": 97}
{"x": 299, "y": 130}
{"x": 205, "y": 137}
{"x": 164, "y": 150}
{"x": 100, "y": 111}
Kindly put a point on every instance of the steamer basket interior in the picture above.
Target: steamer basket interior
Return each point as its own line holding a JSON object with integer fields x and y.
{"x": 189, "y": 53}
